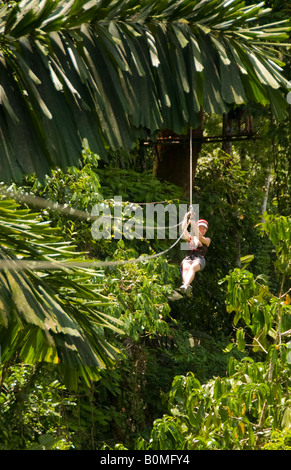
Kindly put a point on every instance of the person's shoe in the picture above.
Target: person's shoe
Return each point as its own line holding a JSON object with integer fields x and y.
{"x": 183, "y": 289}
{"x": 188, "y": 291}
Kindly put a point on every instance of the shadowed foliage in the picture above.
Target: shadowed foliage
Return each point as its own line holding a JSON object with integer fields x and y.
{"x": 79, "y": 69}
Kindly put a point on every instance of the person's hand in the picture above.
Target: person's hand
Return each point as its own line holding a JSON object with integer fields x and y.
{"x": 194, "y": 242}
{"x": 189, "y": 214}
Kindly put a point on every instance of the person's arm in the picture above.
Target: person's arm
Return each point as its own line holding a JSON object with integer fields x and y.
{"x": 205, "y": 240}
{"x": 193, "y": 237}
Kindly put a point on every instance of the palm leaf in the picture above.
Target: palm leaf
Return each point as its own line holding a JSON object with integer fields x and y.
{"x": 114, "y": 70}
{"x": 57, "y": 315}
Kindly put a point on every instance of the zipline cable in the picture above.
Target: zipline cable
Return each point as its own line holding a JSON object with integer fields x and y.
{"x": 49, "y": 205}
{"x": 194, "y": 228}
{"x": 65, "y": 209}
{"x": 18, "y": 264}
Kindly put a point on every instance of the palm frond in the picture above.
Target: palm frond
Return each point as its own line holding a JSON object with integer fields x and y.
{"x": 114, "y": 71}
{"x": 56, "y": 315}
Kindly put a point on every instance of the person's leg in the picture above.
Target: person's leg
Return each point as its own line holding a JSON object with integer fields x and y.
{"x": 185, "y": 269}
{"x": 188, "y": 274}
{"x": 190, "y": 271}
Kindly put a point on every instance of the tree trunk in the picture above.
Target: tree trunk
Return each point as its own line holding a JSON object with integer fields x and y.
{"x": 226, "y": 144}
{"x": 172, "y": 161}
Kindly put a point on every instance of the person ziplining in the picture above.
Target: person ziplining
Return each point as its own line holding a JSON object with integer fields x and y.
{"x": 198, "y": 244}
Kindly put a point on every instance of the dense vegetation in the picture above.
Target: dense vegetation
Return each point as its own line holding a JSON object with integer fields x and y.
{"x": 208, "y": 372}
{"x": 104, "y": 357}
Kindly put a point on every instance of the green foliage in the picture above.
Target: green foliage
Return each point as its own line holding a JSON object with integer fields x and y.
{"x": 118, "y": 71}
{"x": 224, "y": 413}
{"x": 245, "y": 409}
{"x": 137, "y": 187}
{"x": 45, "y": 309}
{"x": 78, "y": 187}
{"x": 279, "y": 232}
{"x": 279, "y": 440}
{"x": 228, "y": 191}
{"x": 236, "y": 399}
{"x": 141, "y": 292}
{"x": 70, "y": 195}
{"x": 32, "y": 404}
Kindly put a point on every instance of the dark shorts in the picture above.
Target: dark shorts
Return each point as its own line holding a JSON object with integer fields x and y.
{"x": 191, "y": 258}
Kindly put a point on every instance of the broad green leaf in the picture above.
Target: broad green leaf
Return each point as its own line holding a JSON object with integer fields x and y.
{"x": 79, "y": 64}
{"x": 54, "y": 317}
